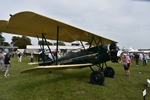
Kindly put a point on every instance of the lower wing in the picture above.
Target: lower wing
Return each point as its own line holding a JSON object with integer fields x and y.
{"x": 57, "y": 67}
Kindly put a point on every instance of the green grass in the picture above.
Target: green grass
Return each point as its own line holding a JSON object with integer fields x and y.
{"x": 72, "y": 84}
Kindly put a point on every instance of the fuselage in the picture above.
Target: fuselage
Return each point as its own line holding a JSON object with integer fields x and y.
{"x": 94, "y": 55}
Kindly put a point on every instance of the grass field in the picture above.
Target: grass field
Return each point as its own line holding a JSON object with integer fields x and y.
{"x": 72, "y": 84}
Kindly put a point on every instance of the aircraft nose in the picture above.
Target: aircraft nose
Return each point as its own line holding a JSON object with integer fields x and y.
{"x": 113, "y": 52}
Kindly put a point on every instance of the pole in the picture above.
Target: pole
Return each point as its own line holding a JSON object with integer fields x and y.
{"x": 57, "y": 45}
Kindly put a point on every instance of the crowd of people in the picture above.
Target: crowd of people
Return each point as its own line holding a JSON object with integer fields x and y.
{"x": 5, "y": 62}
{"x": 139, "y": 56}
{"x": 126, "y": 59}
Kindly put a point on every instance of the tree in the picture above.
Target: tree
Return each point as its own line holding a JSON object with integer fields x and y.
{"x": 21, "y": 42}
{"x": 14, "y": 39}
{"x": 6, "y": 44}
{"x": 40, "y": 43}
{"x": 2, "y": 41}
{"x": 60, "y": 43}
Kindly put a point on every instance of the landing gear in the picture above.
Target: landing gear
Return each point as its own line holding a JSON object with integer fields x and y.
{"x": 97, "y": 77}
{"x": 109, "y": 72}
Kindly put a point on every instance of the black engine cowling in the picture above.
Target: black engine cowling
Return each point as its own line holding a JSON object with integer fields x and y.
{"x": 113, "y": 49}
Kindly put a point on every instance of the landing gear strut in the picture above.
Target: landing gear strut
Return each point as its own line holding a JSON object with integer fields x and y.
{"x": 98, "y": 77}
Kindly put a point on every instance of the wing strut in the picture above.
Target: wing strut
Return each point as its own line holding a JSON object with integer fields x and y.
{"x": 47, "y": 45}
{"x": 97, "y": 43}
{"x": 91, "y": 42}
{"x": 100, "y": 41}
{"x": 38, "y": 41}
{"x": 82, "y": 45}
{"x": 43, "y": 51}
{"x": 57, "y": 45}
{"x": 44, "y": 41}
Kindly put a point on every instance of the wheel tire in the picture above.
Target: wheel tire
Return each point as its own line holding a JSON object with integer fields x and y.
{"x": 109, "y": 72}
{"x": 97, "y": 77}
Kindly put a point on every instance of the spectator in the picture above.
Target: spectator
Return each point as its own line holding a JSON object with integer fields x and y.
{"x": 32, "y": 58}
{"x": 19, "y": 57}
{"x": 126, "y": 64}
{"x": 144, "y": 60}
{"x": 137, "y": 58}
{"x": 7, "y": 64}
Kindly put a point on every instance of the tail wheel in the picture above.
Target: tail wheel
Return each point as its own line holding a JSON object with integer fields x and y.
{"x": 109, "y": 72}
{"x": 97, "y": 77}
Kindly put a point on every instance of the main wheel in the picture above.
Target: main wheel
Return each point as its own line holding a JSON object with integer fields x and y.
{"x": 97, "y": 77}
{"x": 109, "y": 72}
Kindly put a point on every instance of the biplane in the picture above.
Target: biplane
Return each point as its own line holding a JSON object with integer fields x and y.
{"x": 100, "y": 49}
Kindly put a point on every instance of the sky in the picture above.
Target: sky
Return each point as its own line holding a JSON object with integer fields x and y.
{"x": 125, "y": 21}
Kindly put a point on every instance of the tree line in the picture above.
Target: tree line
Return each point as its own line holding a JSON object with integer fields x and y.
{"x": 22, "y": 41}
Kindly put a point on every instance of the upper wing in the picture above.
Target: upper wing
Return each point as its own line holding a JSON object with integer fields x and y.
{"x": 52, "y": 67}
{"x": 32, "y": 24}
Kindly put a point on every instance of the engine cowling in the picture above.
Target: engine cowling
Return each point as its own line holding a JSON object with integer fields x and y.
{"x": 113, "y": 50}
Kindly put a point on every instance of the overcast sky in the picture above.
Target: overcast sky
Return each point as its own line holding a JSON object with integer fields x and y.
{"x": 125, "y": 21}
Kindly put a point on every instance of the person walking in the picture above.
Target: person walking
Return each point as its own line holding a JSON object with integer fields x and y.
{"x": 126, "y": 64}
{"x": 137, "y": 58}
{"x": 31, "y": 58}
{"x": 7, "y": 63}
{"x": 2, "y": 61}
{"x": 144, "y": 60}
{"x": 19, "y": 57}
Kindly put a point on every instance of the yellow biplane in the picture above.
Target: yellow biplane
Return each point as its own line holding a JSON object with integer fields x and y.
{"x": 99, "y": 52}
